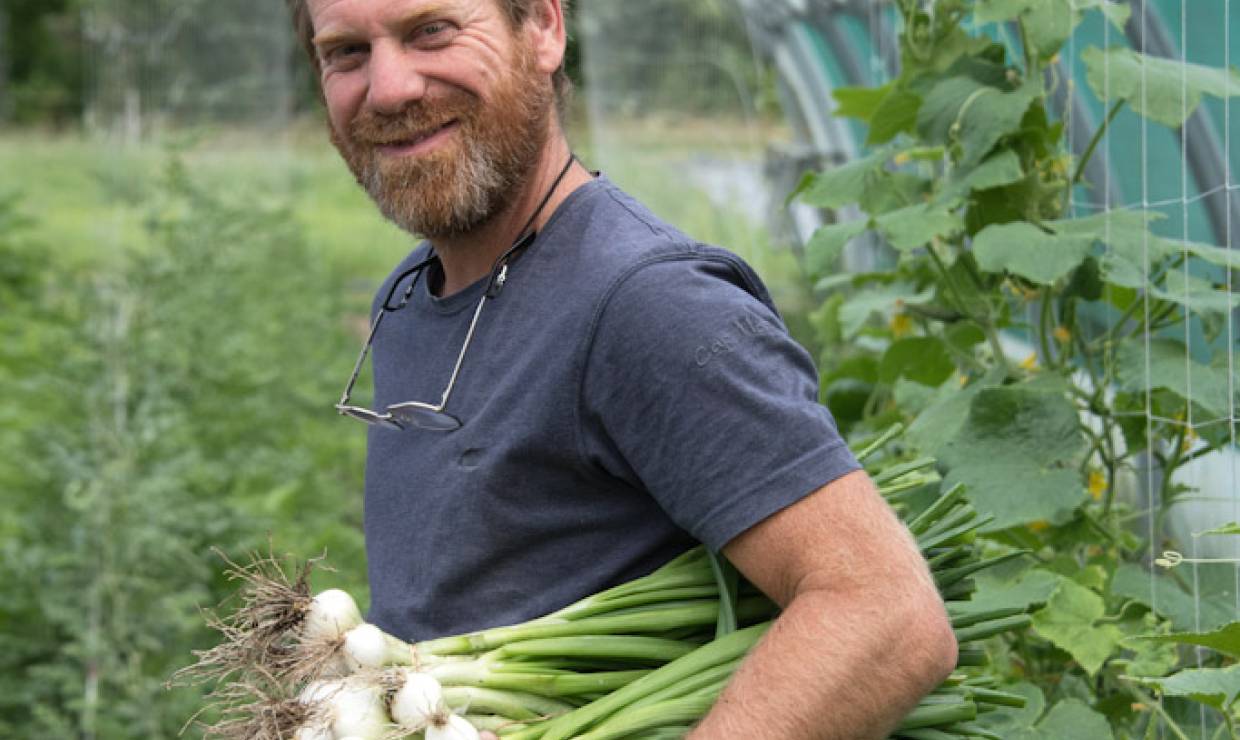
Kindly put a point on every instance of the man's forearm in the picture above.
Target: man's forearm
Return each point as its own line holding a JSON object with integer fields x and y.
{"x": 846, "y": 666}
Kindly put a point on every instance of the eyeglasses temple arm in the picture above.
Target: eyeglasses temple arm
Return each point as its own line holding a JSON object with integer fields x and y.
{"x": 469, "y": 335}
{"x": 361, "y": 358}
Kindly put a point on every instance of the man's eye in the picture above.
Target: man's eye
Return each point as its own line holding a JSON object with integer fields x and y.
{"x": 344, "y": 54}
{"x": 433, "y": 34}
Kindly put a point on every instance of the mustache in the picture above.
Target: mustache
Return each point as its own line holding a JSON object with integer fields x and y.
{"x": 414, "y": 120}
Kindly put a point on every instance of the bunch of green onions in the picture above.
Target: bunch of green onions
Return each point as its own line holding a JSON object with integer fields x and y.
{"x": 645, "y": 659}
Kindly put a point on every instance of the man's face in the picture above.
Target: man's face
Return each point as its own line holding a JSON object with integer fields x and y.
{"x": 436, "y": 106}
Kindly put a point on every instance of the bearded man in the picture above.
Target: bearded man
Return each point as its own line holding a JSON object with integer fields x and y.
{"x": 626, "y": 393}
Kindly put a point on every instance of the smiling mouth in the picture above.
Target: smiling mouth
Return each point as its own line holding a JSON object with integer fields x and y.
{"x": 404, "y": 146}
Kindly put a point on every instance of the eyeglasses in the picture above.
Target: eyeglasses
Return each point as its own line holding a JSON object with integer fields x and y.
{"x": 421, "y": 414}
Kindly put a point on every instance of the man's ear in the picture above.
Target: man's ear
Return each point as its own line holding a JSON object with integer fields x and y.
{"x": 548, "y": 37}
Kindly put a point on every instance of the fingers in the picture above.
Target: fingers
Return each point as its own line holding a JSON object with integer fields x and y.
{"x": 488, "y": 736}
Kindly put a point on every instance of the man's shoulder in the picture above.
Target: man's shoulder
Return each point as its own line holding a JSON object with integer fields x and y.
{"x": 611, "y": 227}
{"x": 608, "y": 239}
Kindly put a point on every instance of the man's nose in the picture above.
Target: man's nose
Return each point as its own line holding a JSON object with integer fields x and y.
{"x": 395, "y": 80}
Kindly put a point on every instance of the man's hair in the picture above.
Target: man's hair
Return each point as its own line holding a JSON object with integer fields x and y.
{"x": 516, "y": 11}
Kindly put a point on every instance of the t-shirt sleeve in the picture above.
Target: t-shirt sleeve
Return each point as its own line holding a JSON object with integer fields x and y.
{"x": 693, "y": 390}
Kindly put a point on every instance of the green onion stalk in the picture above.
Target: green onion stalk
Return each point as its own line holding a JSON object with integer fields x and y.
{"x": 646, "y": 658}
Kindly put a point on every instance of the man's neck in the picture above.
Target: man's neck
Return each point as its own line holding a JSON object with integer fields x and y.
{"x": 469, "y": 257}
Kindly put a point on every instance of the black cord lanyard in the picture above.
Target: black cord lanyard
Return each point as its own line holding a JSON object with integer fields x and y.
{"x": 499, "y": 269}
{"x": 498, "y": 273}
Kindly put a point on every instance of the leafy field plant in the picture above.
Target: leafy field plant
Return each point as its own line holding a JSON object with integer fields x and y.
{"x": 165, "y": 400}
{"x": 1040, "y": 356}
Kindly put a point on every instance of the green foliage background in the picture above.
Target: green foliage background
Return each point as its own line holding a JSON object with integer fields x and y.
{"x": 1064, "y": 368}
{"x": 169, "y": 398}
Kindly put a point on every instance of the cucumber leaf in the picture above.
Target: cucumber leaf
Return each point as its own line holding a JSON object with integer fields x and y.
{"x": 877, "y": 300}
{"x": 1215, "y": 687}
{"x": 1069, "y": 620}
{"x": 1169, "y": 366}
{"x": 1025, "y": 250}
{"x": 1164, "y": 596}
{"x": 1070, "y": 719}
{"x": 828, "y": 242}
{"x": 977, "y": 116}
{"x": 860, "y": 102}
{"x": 1016, "y": 453}
{"x": 1164, "y": 90}
{"x": 924, "y": 360}
{"x": 896, "y": 113}
{"x": 915, "y": 226}
{"x": 996, "y": 171}
{"x": 1225, "y": 639}
{"x": 839, "y": 186}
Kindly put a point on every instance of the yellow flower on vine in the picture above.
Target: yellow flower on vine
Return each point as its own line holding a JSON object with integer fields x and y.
{"x": 1097, "y": 484}
{"x": 1190, "y": 439}
{"x": 901, "y": 325}
{"x": 1062, "y": 335}
{"x": 1030, "y": 362}
{"x": 1040, "y": 525}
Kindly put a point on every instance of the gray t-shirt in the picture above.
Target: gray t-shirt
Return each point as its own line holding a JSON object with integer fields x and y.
{"x": 628, "y": 393}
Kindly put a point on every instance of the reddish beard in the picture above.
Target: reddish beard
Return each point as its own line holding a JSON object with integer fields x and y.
{"x": 466, "y": 180}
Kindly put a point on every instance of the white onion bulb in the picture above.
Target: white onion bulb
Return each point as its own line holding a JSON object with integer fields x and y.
{"x": 359, "y": 710}
{"x": 331, "y": 613}
{"x": 365, "y": 646}
{"x": 454, "y": 727}
{"x": 319, "y": 692}
{"x": 312, "y": 732}
{"x": 417, "y": 702}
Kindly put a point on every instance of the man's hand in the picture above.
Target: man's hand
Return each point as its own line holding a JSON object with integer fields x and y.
{"x": 863, "y": 635}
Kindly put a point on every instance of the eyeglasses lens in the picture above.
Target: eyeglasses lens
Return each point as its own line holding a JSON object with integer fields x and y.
{"x": 368, "y": 416}
{"x": 424, "y": 417}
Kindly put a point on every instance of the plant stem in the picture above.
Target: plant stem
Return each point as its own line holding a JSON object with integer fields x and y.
{"x": 1024, "y": 46}
{"x": 1158, "y": 316}
{"x": 987, "y": 327}
{"x": 1045, "y": 319}
{"x": 1107, "y": 450}
{"x": 1149, "y": 701}
{"x": 1097, "y": 525}
{"x": 1200, "y": 453}
{"x": 1110, "y": 335}
{"x": 1093, "y": 143}
{"x": 1169, "y": 468}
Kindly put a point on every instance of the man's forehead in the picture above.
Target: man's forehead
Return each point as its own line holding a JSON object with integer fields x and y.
{"x": 332, "y": 20}
{"x": 318, "y": 8}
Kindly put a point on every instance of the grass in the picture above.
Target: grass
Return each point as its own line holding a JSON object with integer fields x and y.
{"x": 90, "y": 200}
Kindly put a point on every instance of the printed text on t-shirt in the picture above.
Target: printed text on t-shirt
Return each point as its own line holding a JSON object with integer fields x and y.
{"x": 729, "y": 339}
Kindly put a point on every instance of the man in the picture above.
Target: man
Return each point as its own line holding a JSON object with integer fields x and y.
{"x": 624, "y": 393}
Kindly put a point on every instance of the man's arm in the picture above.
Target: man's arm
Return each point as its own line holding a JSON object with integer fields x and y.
{"x": 863, "y": 634}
